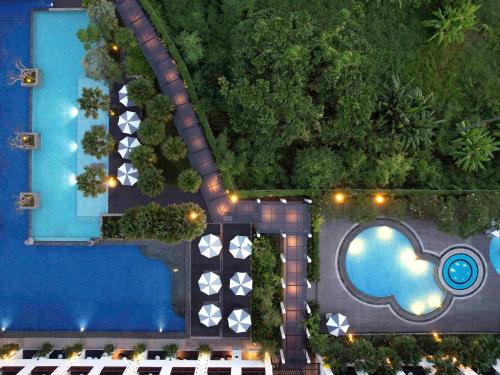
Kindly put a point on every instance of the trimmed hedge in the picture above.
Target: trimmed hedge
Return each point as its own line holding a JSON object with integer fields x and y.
{"x": 161, "y": 28}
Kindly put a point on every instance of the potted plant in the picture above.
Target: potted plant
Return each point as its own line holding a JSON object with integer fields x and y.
{"x": 25, "y": 140}
{"x": 73, "y": 351}
{"x": 8, "y": 350}
{"x": 91, "y": 181}
{"x": 109, "y": 349}
{"x": 139, "y": 348}
{"x": 44, "y": 350}
{"x": 98, "y": 142}
{"x": 170, "y": 350}
{"x": 28, "y": 201}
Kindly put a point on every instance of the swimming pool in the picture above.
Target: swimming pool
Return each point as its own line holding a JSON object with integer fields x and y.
{"x": 381, "y": 262}
{"x": 64, "y": 213}
{"x": 64, "y": 288}
{"x": 460, "y": 271}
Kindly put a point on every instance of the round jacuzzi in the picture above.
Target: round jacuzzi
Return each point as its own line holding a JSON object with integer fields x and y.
{"x": 461, "y": 271}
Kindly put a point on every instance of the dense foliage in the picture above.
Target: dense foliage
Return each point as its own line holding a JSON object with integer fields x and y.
{"x": 266, "y": 293}
{"x": 174, "y": 148}
{"x": 172, "y": 223}
{"x": 98, "y": 142}
{"x": 333, "y": 93}
{"x": 151, "y": 181}
{"x": 8, "y": 350}
{"x": 463, "y": 214}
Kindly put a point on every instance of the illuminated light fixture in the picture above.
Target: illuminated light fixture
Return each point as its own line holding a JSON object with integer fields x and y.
{"x": 111, "y": 182}
{"x": 419, "y": 266}
{"x": 82, "y": 329}
{"x": 434, "y": 301}
{"x": 72, "y": 180}
{"x": 233, "y": 198}
{"x": 114, "y": 47}
{"x": 385, "y": 232}
{"x": 175, "y": 270}
{"x": 73, "y": 112}
{"x": 436, "y": 337}
{"x": 356, "y": 247}
{"x": 379, "y": 199}
{"x": 339, "y": 198}
{"x": 3, "y": 328}
{"x": 407, "y": 257}
{"x": 160, "y": 330}
{"x": 193, "y": 215}
{"x": 417, "y": 308}
{"x": 350, "y": 337}
{"x": 73, "y": 146}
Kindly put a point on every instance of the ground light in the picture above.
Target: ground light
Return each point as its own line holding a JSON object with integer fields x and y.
{"x": 193, "y": 215}
{"x": 379, "y": 199}
{"x": 233, "y": 198}
{"x": 111, "y": 182}
{"x": 436, "y": 337}
{"x": 350, "y": 337}
{"x": 114, "y": 47}
{"x": 339, "y": 198}
{"x": 73, "y": 112}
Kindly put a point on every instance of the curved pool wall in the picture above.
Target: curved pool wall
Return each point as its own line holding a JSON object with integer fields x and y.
{"x": 383, "y": 263}
{"x": 460, "y": 271}
{"x": 64, "y": 214}
{"x": 62, "y": 288}
{"x": 495, "y": 254}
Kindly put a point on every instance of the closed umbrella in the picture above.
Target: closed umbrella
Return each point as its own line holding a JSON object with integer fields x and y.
{"x": 240, "y": 247}
{"x": 210, "y": 246}
{"x": 210, "y": 315}
{"x": 127, "y": 174}
{"x": 240, "y": 283}
{"x": 209, "y": 283}
{"x": 239, "y": 321}
{"x": 123, "y": 97}
{"x": 337, "y": 325}
{"x": 129, "y": 122}
{"x": 126, "y": 145}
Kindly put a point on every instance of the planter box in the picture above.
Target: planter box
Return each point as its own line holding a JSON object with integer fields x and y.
{"x": 30, "y": 77}
{"x": 28, "y": 201}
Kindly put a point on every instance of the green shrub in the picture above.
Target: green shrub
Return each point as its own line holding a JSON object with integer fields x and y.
{"x": 73, "y": 350}
{"x": 407, "y": 349}
{"x": 170, "y": 350}
{"x": 140, "y": 90}
{"x": 8, "y": 350}
{"x": 98, "y": 142}
{"x": 266, "y": 293}
{"x": 313, "y": 268}
{"x": 139, "y": 348}
{"x": 204, "y": 349}
{"x": 151, "y": 181}
{"x": 143, "y": 157}
{"x": 44, "y": 350}
{"x": 152, "y": 132}
{"x": 170, "y": 224}
{"x": 91, "y": 182}
{"x": 93, "y": 100}
{"x": 100, "y": 66}
{"x": 174, "y": 148}
{"x": 137, "y": 65}
{"x": 480, "y": 352}
{"x": 191, "y": 47}
{"x": 109, "y": 349}
{"x": 160, "y": 107}
{"x": 110, "y": 228}
{"x": 189, "y": 181}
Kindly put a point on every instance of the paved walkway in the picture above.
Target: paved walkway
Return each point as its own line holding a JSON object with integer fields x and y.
{"x": 292, "y": 219}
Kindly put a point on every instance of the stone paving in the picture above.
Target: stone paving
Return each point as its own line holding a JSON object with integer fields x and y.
{"x": 479, "y": 312}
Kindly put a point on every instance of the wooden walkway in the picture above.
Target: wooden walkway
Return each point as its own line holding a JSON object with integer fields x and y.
{"x": 291, "y": 220}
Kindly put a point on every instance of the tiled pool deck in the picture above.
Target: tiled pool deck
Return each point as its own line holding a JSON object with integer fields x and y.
{"x": 479, "y": 312}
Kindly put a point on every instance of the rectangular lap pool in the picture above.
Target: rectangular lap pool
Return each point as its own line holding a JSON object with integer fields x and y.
{"x": 64, "y": 213}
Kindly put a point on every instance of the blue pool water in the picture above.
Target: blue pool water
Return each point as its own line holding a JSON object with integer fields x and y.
{"x": 381, "y": 262}
{"x": 495, "y": 253}
{"x": 112, "y": 288}
{"x": 460, "y": 271}
{"x": 64, "y": 213}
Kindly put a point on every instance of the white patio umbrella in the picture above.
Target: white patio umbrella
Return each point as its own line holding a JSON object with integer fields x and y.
{"x": 239, "y": 320}
{"x": 126, "y": 145}
{"x": 240, "y": 283}
{"x": 123, "y": 97}
{"x": 337, "y": 325}
{"x": 209, "y": 283}
{"x": 210, "y": 246}
{"x": 209, "y": 315}
{"x": 129, "y": 122}
{"x": 127, "y": 174}
{"x": 240, "y": 247}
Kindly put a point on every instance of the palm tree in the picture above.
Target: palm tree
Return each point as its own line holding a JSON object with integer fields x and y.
{"x": 189, "y": 181}
{"x": 91, "y": 181}
{"x": 473, "y": 147}
{"x": 160, "y": 107}
{"x": 92, "y": 100}
{"x": 174, "y": 148}
{"x": 451, "y": 22}
{"x": 98, "y": 142}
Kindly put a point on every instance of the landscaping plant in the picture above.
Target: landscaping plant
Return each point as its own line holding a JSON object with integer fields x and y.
{"x": 93, "y": 100}
{"x": 140, "y": 90}
{"x": 152, "y": 132}
{"x": 92, "y": 181}
{"x": 189, "y": 181}
{"x": 143, "y": 157}
{"x": 151, "y": 181}
{"x": 98, "y": 142}
{"x": 173, "y": 148}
